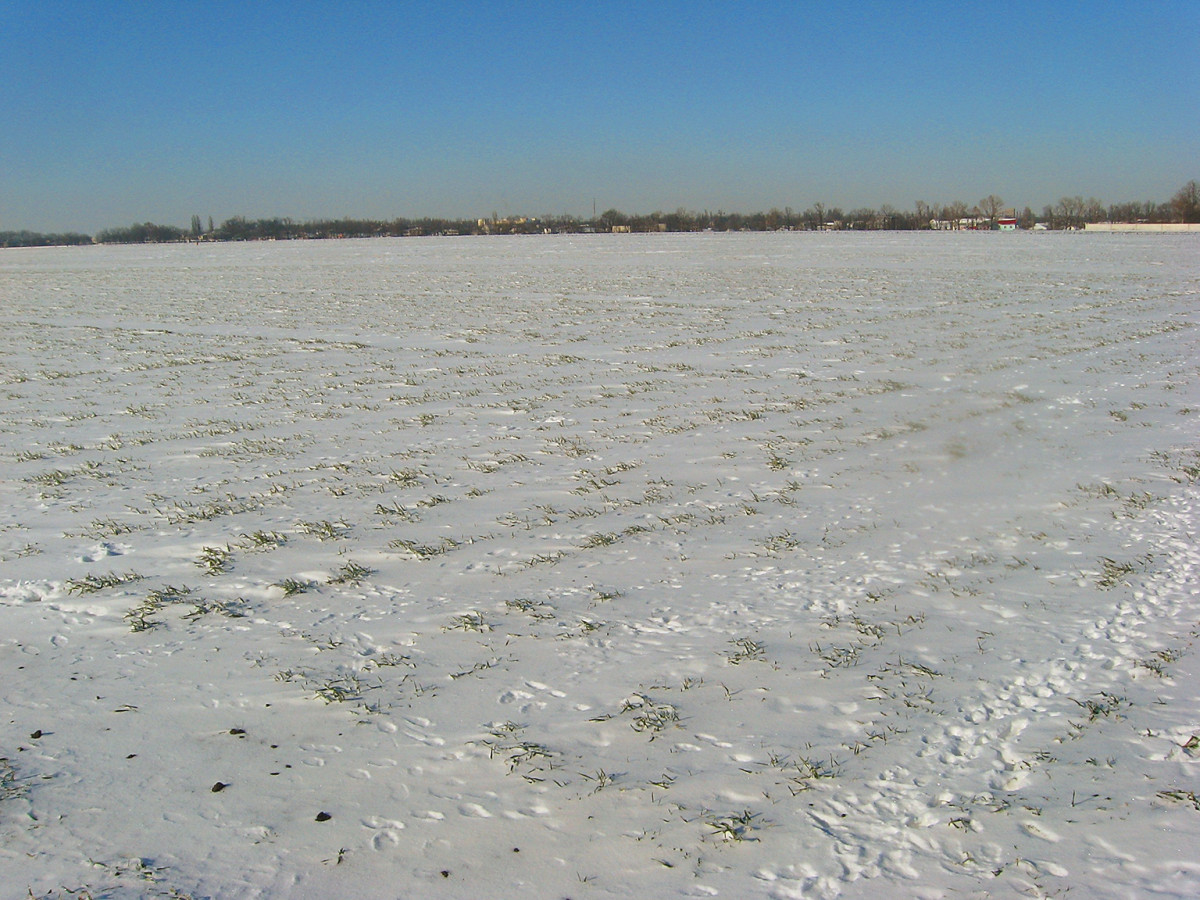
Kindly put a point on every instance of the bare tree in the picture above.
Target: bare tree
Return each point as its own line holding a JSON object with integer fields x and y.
{"x": 990, "y": 206}
{"x": 1186, "y": 202}
{"x": 954, "y": 211}
{"x": 612, "y": 217}
{"x": 923, "y": 214}
{"x": 1070, "y": 211}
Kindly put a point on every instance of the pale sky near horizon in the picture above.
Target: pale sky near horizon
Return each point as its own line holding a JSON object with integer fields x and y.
{"x": 121, "y": 112}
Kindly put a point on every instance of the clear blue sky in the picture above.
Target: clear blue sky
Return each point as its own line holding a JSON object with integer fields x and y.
{"x": 116, "y": 112}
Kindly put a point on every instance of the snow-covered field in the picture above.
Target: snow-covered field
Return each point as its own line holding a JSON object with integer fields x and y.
{"x": 613, "y": 566}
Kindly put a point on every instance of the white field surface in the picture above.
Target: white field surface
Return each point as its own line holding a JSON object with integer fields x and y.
{"x": 667, "y": 566}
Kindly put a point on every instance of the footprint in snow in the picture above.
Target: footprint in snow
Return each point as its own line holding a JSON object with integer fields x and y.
{"x": 1033, "y": 829}
{"x": 99, "y": 552}
{"x": 474, "y": 811}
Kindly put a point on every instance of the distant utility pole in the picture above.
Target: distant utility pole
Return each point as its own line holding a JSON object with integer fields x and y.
{"x": 593, "y": 209}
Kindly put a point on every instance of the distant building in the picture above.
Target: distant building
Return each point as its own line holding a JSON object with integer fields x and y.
{"x": 1007, "y": 223}
{"x": 1141, "y": 226}
{"x": 966, "y": 223}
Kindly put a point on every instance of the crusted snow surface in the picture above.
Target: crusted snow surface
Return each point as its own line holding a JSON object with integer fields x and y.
{"x": 769, "y": 566}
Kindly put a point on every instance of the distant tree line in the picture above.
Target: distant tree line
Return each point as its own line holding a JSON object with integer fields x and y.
{"x": 144, "y": 233}
{"x": 1069, "y": 212}
{"x": 241, "y": 229}
{"x": 35, "y": 239}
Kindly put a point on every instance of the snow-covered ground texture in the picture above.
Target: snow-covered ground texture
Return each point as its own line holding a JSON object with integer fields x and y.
{"x": 616, "y": 566}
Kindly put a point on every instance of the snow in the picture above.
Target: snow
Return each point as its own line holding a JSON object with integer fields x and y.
{"x": 662, "y": 566}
